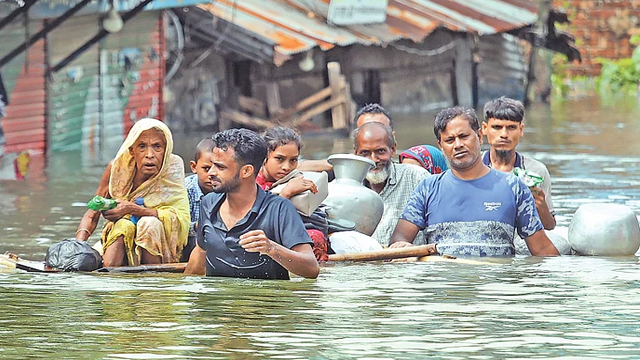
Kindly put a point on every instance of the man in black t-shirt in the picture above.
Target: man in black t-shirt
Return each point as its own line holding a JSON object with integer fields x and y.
{"x": 244, "y": 231}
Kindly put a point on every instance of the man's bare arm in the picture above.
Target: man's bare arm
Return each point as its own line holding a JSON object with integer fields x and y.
{"x": 90, "y": 218}
{"x": 197, "y": 262}
{"x": 404, "y": 234}
{"x": 540, "y": 245}
{"x": 548, "y": 220}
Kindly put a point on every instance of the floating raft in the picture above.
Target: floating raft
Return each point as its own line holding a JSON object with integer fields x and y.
{"x": 13, "y": 261}
{"x": 421, "y": 253}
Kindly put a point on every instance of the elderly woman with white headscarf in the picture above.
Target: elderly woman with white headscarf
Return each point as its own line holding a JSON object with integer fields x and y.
{"x": 144, "y": 168}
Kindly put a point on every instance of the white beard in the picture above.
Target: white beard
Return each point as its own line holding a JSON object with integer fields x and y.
{"x": 380, "y": 176}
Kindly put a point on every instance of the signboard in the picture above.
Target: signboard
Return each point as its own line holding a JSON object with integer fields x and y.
{"x": 352, "y": 12}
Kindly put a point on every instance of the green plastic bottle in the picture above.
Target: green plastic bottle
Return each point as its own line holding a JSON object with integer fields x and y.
{"x": 98, "y": 203}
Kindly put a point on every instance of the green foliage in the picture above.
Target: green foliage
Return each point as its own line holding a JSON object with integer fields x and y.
{"x": 559, "y": 84}
{"x": 620, "y": 76}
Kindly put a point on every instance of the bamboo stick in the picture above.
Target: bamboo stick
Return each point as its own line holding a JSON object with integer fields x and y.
{"x": 284, "y": 115}
{"x": 385, "y": 254}
{"x": 241, "y": 118}
{"x": 319, "y": 109}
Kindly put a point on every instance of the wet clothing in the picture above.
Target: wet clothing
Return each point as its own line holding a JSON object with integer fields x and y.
{"x": 270, "y": 213}
{"x": 528, "y": 163}
{"x": 316, "y": 224}
{"x": 164, "y": 192}
{"x": 403, "y": 179}
{"x": 320, "y": 244}
{"x": 429, "y": 156}
{"x": 262, "y": 181}
{"x": 194, "y": 193}
{"x": 473, "y": 217}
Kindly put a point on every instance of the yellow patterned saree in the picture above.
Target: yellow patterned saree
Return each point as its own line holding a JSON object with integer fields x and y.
{"x": 165, "y": 192}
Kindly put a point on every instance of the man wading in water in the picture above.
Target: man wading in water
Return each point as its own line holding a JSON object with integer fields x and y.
{"x": 470, "y": 210}
{"x": 244, "y": 231}
{"x": 503, "y": 126}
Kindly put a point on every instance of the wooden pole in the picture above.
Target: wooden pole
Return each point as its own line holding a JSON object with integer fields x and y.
{"x": 351, "y": 106}
{"x": 285, "y": 115}
{"x": 464, "y": 70}
{"x": 273, "y": 98}
{"x": 235, "y": 116}
{"x": 338, "y": 116}
{"x": 317, "y": 110}
{"x": 386, "y": 254}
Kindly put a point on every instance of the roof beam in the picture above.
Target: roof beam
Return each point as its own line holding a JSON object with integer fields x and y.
{"x": 52, "y": 25}
{"x": 16, "y": 12}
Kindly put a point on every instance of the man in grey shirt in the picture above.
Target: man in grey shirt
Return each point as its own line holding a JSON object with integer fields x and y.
{"x": 503, "y": 126}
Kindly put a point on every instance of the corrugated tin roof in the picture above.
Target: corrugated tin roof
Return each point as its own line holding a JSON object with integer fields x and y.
{"x": 296, "y": 26}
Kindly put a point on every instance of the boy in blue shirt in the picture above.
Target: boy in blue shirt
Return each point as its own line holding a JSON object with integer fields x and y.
{"x": 198, "y": 185}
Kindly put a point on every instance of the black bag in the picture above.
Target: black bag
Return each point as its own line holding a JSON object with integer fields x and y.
{"x": 73, "y": 255}
{"x": 317, "y": 221}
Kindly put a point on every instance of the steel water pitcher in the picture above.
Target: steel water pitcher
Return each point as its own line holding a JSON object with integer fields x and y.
{"x": 348, "y": 198}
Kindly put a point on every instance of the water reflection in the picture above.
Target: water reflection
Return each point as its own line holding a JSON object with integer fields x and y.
{"x": 565, "y": 307}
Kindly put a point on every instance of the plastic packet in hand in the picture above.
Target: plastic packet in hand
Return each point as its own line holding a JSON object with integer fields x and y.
{"x": 98, "y": 203}
{"x": 529, "y": 178}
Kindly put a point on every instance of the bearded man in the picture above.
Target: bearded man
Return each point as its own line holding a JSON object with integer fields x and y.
{"x": 393, "y": 182}
{"x": 244, "y": 231}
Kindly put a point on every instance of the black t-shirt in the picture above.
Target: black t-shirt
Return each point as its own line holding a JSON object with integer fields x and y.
{"x": 274, "y": 215}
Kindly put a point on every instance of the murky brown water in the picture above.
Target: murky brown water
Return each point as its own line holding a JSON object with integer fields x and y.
{"x": 567, "y": 307}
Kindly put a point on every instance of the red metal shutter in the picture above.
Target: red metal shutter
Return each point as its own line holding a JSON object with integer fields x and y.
{"x": 24, "y": 125}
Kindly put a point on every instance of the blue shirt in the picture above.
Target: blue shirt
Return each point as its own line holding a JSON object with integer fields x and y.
{"x": 270, "y": 213}
{"x": 195, "y": 194}
{"x": 476, "y": 217}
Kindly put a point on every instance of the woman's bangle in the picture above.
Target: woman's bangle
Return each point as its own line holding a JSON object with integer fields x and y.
{"x": 87, "y": 230}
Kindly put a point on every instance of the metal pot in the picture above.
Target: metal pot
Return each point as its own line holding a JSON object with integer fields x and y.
{"x": 348, "y": 198}
{"x": 605, "y": 230}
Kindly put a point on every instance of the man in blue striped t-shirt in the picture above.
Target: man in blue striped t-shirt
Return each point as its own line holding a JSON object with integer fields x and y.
{"x": 470, "y": 210}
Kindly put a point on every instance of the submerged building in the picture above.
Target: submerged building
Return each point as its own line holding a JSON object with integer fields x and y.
{"x": 77, "y": 74}
{"x": 424, "y": 55}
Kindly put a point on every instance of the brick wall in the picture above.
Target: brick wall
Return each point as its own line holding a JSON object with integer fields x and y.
{"x": 602, "y": 29}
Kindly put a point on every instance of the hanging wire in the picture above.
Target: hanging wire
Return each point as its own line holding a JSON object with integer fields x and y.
{"x": 433, "y": 52}
{"x": 222, "y": 37}
{"x": 180, "y": 39}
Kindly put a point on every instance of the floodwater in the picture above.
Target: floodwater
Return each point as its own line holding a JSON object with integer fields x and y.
{"x": 522, "y": 308}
